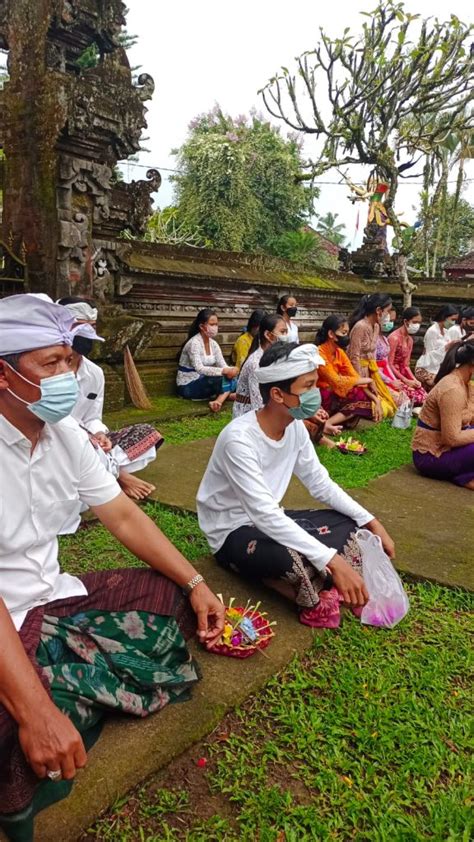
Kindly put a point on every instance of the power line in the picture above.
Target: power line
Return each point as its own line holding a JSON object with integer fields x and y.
{"x": 317, "y": 181}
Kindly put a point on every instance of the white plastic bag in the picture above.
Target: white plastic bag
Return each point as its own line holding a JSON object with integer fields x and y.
{"x": 388, "y": 602}
{"x": 403, "y": 416}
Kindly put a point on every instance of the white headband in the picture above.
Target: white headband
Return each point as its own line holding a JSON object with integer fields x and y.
{"x": 28, "y": 322}
{"x": 82, "y": 310}
{"x": 301, "y": 360}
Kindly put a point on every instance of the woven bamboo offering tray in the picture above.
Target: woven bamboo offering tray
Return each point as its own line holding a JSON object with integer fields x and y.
{"x": 247, "y": 630}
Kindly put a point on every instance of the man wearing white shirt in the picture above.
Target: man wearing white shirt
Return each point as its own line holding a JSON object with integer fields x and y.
{"x": 123, "y": 452}
{"x": 299, "y": 554}
{"x": 464, "y": 327}
{"x": 62, "y": 637}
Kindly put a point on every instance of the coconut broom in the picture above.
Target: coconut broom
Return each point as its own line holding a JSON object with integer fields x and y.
{"x": 135, "y": 387}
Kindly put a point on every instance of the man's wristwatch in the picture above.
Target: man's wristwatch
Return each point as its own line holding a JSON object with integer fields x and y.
{"x": 196, "y": 580}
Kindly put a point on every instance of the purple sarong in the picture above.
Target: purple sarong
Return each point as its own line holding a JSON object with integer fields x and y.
{"x": 456, "y": 465}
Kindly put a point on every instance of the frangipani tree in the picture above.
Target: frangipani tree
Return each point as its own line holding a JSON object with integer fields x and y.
{"x": 373, "y": 99}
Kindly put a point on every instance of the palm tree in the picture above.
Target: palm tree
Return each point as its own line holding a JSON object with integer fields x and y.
{"x": 328, "y": 227}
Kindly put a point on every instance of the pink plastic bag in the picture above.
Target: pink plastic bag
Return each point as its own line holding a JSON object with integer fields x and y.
{"x": 388, "y": 602}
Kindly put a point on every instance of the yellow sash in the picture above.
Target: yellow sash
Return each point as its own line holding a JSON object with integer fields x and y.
{"x": 389, "y": 406}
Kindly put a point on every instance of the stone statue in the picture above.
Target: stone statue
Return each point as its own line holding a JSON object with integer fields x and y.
{"x": 66, "y": 123}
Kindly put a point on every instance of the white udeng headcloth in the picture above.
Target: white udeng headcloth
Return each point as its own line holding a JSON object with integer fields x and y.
{"x": 82, "y": 310}
{"x": 28, "y": 322}
{"x": 301, "y": 360}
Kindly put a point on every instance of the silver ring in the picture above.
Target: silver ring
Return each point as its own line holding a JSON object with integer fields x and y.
{"x": 56, "y": 775}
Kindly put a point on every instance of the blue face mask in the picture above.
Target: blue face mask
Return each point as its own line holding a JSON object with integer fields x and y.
{"x": 58, "y": 396}
{"x": 387, "y": 326}
{"x": 310, "y": 402}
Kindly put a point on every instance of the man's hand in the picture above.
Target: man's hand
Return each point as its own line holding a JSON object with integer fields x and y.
{"x": 377, "y": 529}
{"x": 51, "y": 743}
{"x": 348, "y": 582}
{"x": 103, "y": 441}
{"x": 210, "y": 614}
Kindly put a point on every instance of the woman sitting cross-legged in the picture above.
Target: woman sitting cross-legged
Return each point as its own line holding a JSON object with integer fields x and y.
{"x": 345, "y": 394}
{"x": 436, "y": 341}
{"x": 299, "y": 554}
{"x": 400, "y": 351}
{"x": 365, "y": 323}
{"x": 202, "y": 370}
{"x": 443, "y": 444}
{"x": 382, "y": 353}
{"x": 272, "y": 329}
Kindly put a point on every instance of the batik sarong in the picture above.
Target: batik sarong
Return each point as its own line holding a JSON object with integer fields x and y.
{"x": 120, "y": 648}
{"x": 253, "y": 555}
{"x": 136, "y": 440}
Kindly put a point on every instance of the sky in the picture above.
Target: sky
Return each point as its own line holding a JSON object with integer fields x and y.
{"x": 203, "y": 52}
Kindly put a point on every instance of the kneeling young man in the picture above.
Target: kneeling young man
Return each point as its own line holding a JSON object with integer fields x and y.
{"x": 299, "y": 554}
{"x": 72, "y": 648}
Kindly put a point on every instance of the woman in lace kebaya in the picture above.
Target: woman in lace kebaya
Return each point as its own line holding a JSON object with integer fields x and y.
{"x": 202, "y": 371}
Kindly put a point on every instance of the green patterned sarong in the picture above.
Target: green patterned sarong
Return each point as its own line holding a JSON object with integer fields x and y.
{"x": 130, "y": 662}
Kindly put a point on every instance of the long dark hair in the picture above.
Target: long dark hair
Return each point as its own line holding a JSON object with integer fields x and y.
{"x": 282, "y": 302}
{"x": 255, "y": 319}
{"x": 268, "y": 323}
{"x": 462, "y": 353}
{"x": 73, "y": 299}
{"x": 330, "y": 323}
{"x": 202, "y": 317}
{"x": 368, "y": 305}
{"x": 445, "y": 312}
{"x": 410, "y": 313}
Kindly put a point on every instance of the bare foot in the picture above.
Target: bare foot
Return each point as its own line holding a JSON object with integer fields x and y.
{"x": 327, "y": 442}
{"x": 134, "y": 487}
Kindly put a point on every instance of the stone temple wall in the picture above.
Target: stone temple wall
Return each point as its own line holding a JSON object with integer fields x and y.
{"x": 159, "y": 289}
{"x": 163, "y": 288}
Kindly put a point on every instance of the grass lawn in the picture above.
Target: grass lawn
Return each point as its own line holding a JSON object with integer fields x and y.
{"x": 387, "y": 448}
{"x": 365, "y": 738}
{"x": 94, "y": 548}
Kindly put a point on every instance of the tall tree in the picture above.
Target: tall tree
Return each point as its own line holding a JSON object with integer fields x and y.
{"x": 238, "y": 185}
{"x": 331, "y": 229}
{"x": 442, "y": 239}
{"x": 373, "y": 98}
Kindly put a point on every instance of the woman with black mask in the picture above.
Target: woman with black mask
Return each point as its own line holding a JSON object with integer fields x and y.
{"x": 288, "y": 307}
{"x": 345, "y": 394}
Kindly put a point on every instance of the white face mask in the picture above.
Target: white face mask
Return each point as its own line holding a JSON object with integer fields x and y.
{"x": 282, "y": 337}
{"x": 413, "y": 328}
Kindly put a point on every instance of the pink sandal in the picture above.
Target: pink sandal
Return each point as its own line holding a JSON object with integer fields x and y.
{"x": 326, "y": 614}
